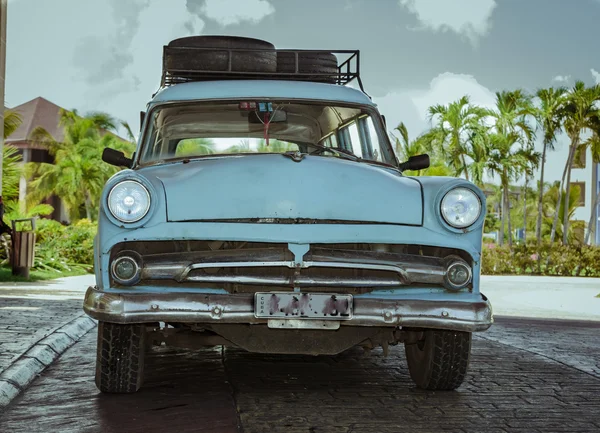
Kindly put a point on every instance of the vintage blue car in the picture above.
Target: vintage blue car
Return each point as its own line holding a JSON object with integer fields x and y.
{"x": 264, "y": 208}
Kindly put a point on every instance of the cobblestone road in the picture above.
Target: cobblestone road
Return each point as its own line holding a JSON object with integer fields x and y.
{"x": 522, "y": 379}
{"x": 23, "y": 322}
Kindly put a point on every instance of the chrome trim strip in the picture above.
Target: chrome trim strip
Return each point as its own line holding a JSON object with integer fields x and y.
{"x": 239, "y": 308}
{"x": 409, "y": 269}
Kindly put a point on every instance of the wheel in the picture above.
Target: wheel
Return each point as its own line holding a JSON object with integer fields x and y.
{"x": 309, "y": 63}
{"x": 440, "y": 359}
{"x": 120, "y": 357}
{"x": 216, "y": 61}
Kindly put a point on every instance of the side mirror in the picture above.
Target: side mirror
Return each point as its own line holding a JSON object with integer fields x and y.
{"x": 417, "y": 162}
{"x": 114, "y": 157}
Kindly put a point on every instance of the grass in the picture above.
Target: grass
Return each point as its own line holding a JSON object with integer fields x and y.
{"x": 35, "y": 275}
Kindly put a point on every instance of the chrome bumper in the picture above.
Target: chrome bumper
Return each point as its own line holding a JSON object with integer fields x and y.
{"x": 239, "y": 308}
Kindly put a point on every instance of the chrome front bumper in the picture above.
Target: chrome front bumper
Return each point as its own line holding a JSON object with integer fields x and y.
{"x": 239, "y": 308}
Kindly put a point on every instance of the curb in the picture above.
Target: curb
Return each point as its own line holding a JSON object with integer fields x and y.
{"x": 41, "y": 355}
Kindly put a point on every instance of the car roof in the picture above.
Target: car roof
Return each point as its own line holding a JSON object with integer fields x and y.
{"x": 231, "y": 89}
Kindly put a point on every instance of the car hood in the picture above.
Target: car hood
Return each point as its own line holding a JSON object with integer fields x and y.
{"x": 274, "y": 188}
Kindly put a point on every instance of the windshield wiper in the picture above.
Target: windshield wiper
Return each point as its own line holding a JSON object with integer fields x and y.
{"x": 344, "y": 153}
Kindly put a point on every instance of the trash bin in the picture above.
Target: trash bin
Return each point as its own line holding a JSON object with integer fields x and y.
{"x": 23, "y": 244}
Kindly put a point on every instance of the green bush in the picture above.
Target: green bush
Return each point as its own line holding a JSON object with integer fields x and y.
{"x": 64, "y": 248}
{"x": 556, "y": 260}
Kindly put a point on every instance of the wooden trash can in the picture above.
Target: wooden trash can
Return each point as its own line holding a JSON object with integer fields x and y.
{"x": 23, "y": 248}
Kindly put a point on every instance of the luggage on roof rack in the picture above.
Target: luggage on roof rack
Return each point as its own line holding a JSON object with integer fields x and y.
{"x": 205, "y": 58}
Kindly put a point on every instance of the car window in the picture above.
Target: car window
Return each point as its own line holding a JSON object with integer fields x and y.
{"x": 216, "y": 128}
{"x": 360, "y": 137}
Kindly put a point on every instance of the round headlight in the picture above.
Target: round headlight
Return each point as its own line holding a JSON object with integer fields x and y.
{"x": 129, "y": 201}
{"x": 461, "y": 207}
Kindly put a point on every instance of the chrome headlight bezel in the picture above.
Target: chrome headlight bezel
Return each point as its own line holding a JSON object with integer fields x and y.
{"x": 147, "y": 187}
{"x": 477, "y": 193}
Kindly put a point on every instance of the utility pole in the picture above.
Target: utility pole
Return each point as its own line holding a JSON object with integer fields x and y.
{"x": 3, "y": 8}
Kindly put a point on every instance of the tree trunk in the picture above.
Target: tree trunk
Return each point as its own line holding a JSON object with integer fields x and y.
{"x": 560, "y": 189}
{"x": 574, "y": 145}
{"x": 591, "y": 228}
{"x": 464, "y": 161}
{"x": 509, "y": 226}
{"x": 88, "y": 206}
{"x": 525, "y": 210}
{"x": 538, "y": 226}
{"x": 503, "y": 218}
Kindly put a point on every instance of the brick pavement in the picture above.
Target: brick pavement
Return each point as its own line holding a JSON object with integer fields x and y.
{"x": 509, "y": 389}
{"x": 24, "y": 321}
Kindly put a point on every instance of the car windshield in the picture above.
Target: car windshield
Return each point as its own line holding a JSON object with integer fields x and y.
{"x": 264, "y": 126}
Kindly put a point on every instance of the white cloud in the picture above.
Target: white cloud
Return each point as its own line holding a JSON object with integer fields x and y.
{"x": 228, "y": 12}
{"x": 410, "y": 106}
{"x": 596, "y": 75}
{"x": 124, "y": 98}
{"x": 469, "y": 18}
{"x": 562, "y": 78}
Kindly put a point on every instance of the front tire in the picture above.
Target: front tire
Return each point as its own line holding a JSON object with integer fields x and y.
{"x": 120, "y": 357}
{"x": 439, "y": 359}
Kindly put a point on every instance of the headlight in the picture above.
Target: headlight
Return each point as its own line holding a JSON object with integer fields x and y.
{"x": 461, "y": 207}
{"x": 129, "y": 201}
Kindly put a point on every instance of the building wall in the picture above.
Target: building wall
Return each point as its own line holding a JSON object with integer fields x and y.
{"x": 588, "y": 175}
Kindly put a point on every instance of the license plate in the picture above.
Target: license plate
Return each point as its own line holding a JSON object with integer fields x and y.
{"x": 293, "y": 305}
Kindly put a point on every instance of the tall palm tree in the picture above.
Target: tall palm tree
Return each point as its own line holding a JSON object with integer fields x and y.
{"x": 478, "y": 154}
{"x": 548, "y": 117}
{"x": 78, "y": 173}
{"x": 580, "y": 114}
{"x": 508, "y": 161}
{"x": 511, "y": 142}
{"x": 452, "y": 128}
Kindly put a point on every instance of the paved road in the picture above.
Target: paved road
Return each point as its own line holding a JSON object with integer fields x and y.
{"x": 31, "y": 311}
{"x": 522, "y": 379}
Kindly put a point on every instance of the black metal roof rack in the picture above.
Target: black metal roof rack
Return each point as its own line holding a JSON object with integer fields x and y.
{"x": 347, "y": 71}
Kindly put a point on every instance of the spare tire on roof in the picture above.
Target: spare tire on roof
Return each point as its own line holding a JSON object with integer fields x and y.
{"x": 309, "y": 63}
{"x": 181, "y": 59}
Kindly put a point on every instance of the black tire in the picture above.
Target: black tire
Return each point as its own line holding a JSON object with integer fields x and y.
{"x": 120, "y": 357}
{"x": 309, "y": 63}
{"x": 178, "y": 58}
{"x": 440, "y": 360}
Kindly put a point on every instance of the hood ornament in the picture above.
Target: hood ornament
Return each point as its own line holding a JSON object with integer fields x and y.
{"x": 296, "y": 156}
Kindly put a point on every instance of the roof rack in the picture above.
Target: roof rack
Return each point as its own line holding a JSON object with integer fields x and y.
{"x": 347, "y": 71}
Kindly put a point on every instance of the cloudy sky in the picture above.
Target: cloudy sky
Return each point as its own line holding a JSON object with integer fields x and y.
{"x": 106, "y": 54}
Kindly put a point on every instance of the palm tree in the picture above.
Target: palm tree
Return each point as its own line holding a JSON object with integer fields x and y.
{"x": 453, "y": 127}
{"x": 11, "y": 169}
{"x": 511, "y": 139}
{"x": 405, "y": 148}
{"x": 551, "y": 122}
{"x": 78, "y": 174}
{"x": 552, "y": 199}
{"x": 12, "y": 120}
{"x": 478, "y": 154}
{"x": 580, "y": 114}
{"x": 508, "y": 162}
